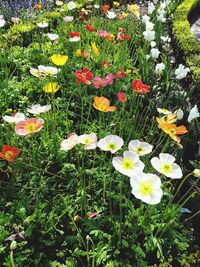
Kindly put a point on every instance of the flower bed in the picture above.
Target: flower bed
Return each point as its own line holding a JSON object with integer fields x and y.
{"x": 91, "y": 160}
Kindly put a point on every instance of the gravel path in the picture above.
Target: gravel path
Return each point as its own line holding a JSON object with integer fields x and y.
{"x": 195, "y": 29}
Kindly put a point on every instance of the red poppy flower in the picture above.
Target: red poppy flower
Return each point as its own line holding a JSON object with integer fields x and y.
{"x": 83, "y": 76}
{"x": 140, "y": 87}
{"x": 105, "y": 64}
{"x": 89, "y": 28}
{"x": 121, "y": 36}
{"x": 119, "y": 74}
{"x": 9, "y": 153}
{"x": 74, "y": 34}
{"x": 82, "y": 15}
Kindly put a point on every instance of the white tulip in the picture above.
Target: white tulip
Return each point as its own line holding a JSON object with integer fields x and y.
{"x": 159, "y": 68}
{"x": 181, "y": 72}
{"x": 149, "y": 35}
{"x": 2, "y": 22}
{"x": 194, "y": 113}
{"x": 155, "y": 53}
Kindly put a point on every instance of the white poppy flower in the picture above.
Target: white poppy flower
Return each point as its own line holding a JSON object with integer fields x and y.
{"x": 71, "y": 5}
{"x": 48, "y": 71}
{"x": 15, "y": 19}
{"x": 151, "y": 8}
{"x": 43, "y": 24}
{"x": 129, "y": 164}
{"x": 140, "y": 148}
{"x": 59, "y": 3}
{"x": 155, "y": 53}
{"x": 52, "y": 36}
{"x": 165, "y": 165}
{"x": 196, "y": 173}
{"x": 110, "y": 143}
{"x": 68, "y": 18}
{"x": 97, "y": 6}
{"x": 159, "y": 68}
{"x": 181, "y": 72}
{"x": 111, "y": 15}
{"x": 179, "y": 114}
{"x": 70, "y": 142}
{"x": 37, "y": 109}
{"x": 194, "y": 113}
{"x": 147, "y": 187}
{"x": 149, "y": 35}
{"x": 35, "y": 72}
{"x": 2, "y": 22}
{"x": 164, "y": 111}
{"x": 14, "y": 119}
{"x": 88, "y": 140}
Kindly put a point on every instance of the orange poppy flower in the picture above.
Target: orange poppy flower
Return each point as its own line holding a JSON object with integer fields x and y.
{"x": 9, "y": 153}
{"x": 105, "y": 9}
{"x": 38, "y": 6}
{"x": 103, "y": 104}
{"x": 173, "y": 130}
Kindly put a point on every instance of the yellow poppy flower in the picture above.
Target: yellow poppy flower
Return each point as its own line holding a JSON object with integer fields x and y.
{"x": 51, "y": 88}
{"x": 170, "y": 118}
{"x": 115, "y": 3}
{"x": 95, "y": 49}
{"x": 59, "y": 60}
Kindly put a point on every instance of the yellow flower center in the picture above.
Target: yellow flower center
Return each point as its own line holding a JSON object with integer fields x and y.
{"x": 127, "y": 164}
{"x": 139, "y": 150}
{"x": 8, "y": 154}
{"x": 146, "y": 188}
{"x": 111, "y": 146}
{"x": 87, "y": 141}
{"x": 166, "y": 168}
{"x": 30, "y": 128}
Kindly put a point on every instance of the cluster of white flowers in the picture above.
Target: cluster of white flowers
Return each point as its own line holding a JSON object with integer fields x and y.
{"x": 149, "y": 33}
{"x": 145, "y": 186}
{"x": 34, "y": 109}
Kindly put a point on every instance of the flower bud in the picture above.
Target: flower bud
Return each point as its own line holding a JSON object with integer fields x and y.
{"x": 13, "y": 245}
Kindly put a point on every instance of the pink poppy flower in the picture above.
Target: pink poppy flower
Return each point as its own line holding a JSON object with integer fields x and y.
{"x": 122, "y": 97}
{"x": 29, "y": 126}
{"x": 99, "y": 82}
{"x": 92, "y": 215}
{"x": 102, "y": 33}
{"x": 109, "y": 78}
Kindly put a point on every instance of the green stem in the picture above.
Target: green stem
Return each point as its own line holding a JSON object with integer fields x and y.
{"x": 12, "y": 259}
